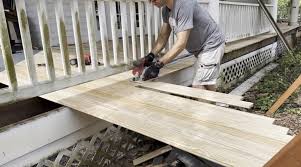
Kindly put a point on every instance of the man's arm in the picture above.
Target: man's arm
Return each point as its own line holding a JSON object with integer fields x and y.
{"x": 162, "y": 38}
{"x": 177, "y": 48}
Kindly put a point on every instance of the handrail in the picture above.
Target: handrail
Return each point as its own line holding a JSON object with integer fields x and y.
{"x": 242, "y": 4}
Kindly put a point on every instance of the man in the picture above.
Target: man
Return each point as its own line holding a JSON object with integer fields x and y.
{"x": 196, "y": 32}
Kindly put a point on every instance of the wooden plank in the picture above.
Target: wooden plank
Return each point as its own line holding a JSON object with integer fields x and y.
{"x": 288, "y": 155}
{"x": 26, "y": 40}
{"x": 223, "y": 135}
{"x": 60, "y": 21}
{"x": 197, "y": 93}
{"x": 152, "y": 155}
{"x": 163, "y": 101}
{"x": 77, "y": 36}
{"x": 91, "y": 25}
{"x": 284, "y": 96}
{"x": 44, "y": 29}
{"x": 103, "y": 32}
{"x": 6, "y": 51}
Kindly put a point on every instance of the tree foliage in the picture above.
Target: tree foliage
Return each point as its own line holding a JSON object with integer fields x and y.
{"x": 283, "y": 9}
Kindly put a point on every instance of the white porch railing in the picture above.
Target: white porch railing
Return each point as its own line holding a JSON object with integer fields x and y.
{"x": 238, "y": 20}
{"x": 241, "y": 20}
{"x": 58, "y": 78}
{"x": 138, "y": 23}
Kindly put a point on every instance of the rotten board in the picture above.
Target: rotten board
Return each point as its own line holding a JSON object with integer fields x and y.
{"x": 225, "y": 136}
{"x": 197, "y": 93}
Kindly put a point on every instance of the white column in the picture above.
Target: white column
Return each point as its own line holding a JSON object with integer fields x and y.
{"x": 213, "y": 8}
{"x": 275, "y": 9}
{"x": 274, "y": 13}
{"x": 293, "y": 20}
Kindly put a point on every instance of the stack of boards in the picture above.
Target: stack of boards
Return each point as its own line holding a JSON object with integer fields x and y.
{"x": 162, "y": 111}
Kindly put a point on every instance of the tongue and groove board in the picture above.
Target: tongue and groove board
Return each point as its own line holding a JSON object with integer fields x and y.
{"x": 232, "y": 100}
{"x": 222, "y": 135}
{"x": 226, "y": 136}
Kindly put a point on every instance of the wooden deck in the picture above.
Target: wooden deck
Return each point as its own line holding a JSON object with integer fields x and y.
{"x": 222, "y": 135}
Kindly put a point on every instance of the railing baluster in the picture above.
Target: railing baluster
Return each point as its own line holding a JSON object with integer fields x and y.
{"x": 60, "y": 21}
{"x": 160, "y": 19}
{"x": 26, "y": 40}
{"x": 103, "y": 32}
{"x": 170, "y": 41}
{"x": 90, "y": 15}
{"x": 77, "y": 36}
{"x": 6, "y": 51}
{"x": 124, "y": 25}
{"x": 165, "y": 49}
{"x": 149, "y": 26}
{"x": 156, "y": 15}
{"x": 141, "y": 27}
{"x": 113, "y": 28}
{"x": 44, "y": 29}
{"x": 133, "y": 29}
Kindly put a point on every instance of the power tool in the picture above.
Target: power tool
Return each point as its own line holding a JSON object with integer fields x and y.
{"x": 138, "y": 70}
{"x": 141, "y": 65}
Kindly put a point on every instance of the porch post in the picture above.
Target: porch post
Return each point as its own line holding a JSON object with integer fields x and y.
{"x": 294, "y": 11}
{"x": 274, "y": 13}
{"x": 275, "y": 9}
{"x": 213, "y": 8}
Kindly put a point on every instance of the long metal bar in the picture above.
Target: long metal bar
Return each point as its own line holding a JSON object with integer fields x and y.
{"x": 274, "y": 24}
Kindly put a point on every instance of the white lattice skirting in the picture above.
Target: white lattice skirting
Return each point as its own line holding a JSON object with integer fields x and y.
{"x": 238, "y": 68}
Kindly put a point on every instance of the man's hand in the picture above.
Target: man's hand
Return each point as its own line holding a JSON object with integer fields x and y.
{"x": 145, "y": 61}
{"x": 152, "y": 71}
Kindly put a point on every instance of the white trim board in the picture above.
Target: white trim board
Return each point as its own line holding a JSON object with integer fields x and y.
{"x": 47, "y": 128}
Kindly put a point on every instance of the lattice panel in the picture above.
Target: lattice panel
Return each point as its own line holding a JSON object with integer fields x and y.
{"x": 280, "y": 49}
{"x": 103, "y": 149}
{"x": 247, "y": 64}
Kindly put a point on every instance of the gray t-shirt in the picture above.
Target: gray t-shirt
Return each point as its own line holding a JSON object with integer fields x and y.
{"x": 205, "y": 34}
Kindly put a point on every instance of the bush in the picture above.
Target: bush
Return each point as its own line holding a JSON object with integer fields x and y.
{"x": 283, "y": 8}
{"x": 277, "y": 82}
